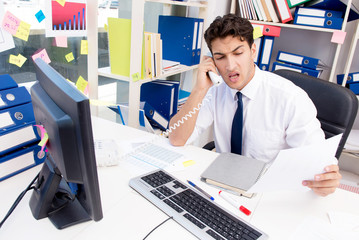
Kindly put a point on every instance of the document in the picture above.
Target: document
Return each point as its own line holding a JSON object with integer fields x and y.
{"x": 294, "y": 165}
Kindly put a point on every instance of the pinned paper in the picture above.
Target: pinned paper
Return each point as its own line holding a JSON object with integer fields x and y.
{"x": 257, "y": 32}
{"x": 81, "y": 84}
{"x": 61, "y": 2}
{"x": 135, "y": 77}
{"x": 338, "y": 36}
{"x": 188, "y": 163}
{"x": 18, "y": 60}
{"x": 40, "y": 16}
{"x": 23, "y": 31}
{"x": 69, "y": 57}
{"x": 60, "y": 41}
{"x": 41, "y": 54}
{"x": 10, "y": 23}
{"x": 84, "y": 47}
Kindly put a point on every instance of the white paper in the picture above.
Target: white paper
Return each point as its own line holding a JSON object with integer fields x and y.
{"x": 294, "y": 165}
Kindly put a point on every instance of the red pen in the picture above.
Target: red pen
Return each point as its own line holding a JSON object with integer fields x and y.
{"x": 234, "y": 203}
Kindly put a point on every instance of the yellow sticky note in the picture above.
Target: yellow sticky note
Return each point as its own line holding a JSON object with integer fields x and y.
{"x": 23, "y": 31}
{"x": 106, "y": 28}
{"x": 84, "y": 47}
{"x": 81, "y": 84}
{"x": 44, "y": 140}
{"x": 188, "y": 163}
{"x": 61, "y": 2}
{"x": 135, "y": 77}
{"x": 18, "y": 60}
{"x": 69, "y": 57}
{"x": 257, "y": 32}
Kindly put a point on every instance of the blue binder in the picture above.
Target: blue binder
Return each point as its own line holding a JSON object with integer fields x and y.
{"x": 314, "y": 12}
{"x": 266, "y": 52}
{"x": 21, "y": 160}
{"x": 199, "y": 41}
{"x": 352, "y": 77}
{"x": 299, "y": 60}
{"x": 16, "y": 116}
{"x": 18, "y": 137}
{"x": 154, "y": 117}
{"x": 323, "y": 22}
{"x": 258, "y": 42}
{"x": 13, "y": 97}
{"x": 179, "y": 38}
{"x": 7, "y": 82}
{"x": 176, "y": 85}
{"x": 311, "y": 72}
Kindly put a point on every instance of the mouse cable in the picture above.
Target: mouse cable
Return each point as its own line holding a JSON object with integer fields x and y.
{"x": 157, "y": 226}
{"x": 18, "y": 199}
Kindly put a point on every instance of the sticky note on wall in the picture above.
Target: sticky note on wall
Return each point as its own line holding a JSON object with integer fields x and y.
{"x": 10, "y": 23}
{"x": 41, "y": 54}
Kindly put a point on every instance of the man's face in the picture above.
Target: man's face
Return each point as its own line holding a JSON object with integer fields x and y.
{"x": 234, "y": 60}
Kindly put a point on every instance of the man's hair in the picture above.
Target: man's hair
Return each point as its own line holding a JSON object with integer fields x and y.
{"x": 229, "y": 25}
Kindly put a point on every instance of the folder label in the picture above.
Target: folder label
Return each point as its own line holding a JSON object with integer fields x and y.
{"x": 314, "y": 21}
{"x": 267, "y": 51}
{"x": 194, "y": 36}
{"x": 12, "y": 139}
{"x": 290, "y": 58}
{"x": 285, "y": 14}
{"x": 161, "y": 120}
{"x": 355, "y": 77}
{"x": 2, "y": 102}
{"x": 5, "y": 120}
{"x": 17, "y": 163}
{"x": 311, "y": 12}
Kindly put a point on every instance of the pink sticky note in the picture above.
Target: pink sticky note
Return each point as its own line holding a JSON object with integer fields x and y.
{"x": 61, "y": 41}
{"x": 41, "y": 54}
{"x": 10, "y": 23}
{"x": 338, "y": 36}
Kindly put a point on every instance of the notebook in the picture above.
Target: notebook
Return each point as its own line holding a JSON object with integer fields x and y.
{"x": 234, "y": 172}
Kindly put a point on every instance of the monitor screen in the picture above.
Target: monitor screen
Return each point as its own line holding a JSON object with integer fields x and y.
{"x": 67, "y": 190}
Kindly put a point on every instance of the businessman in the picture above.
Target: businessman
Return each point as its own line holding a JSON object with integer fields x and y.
{"x": 274, "y": 113}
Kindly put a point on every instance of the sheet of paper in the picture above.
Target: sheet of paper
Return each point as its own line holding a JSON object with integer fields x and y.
{"x": 294, "y": 165}
{"x": 6, "y": 39}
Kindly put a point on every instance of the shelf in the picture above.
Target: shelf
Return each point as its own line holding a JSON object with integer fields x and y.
{"x": 187, "y": 4}
{"x": 296, "y": 26}
{"x": 106, "y": 72}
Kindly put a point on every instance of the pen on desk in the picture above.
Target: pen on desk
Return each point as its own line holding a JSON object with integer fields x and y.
{"x": 200, "y": 189}
{"x": 234, "y": 203}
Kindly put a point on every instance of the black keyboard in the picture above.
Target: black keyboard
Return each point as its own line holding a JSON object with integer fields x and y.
{"x": 191, "y": 209}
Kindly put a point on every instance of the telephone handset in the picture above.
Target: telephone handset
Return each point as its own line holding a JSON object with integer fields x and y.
{"x": 216, "y": 79}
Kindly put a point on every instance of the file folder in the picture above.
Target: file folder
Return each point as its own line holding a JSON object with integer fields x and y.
{"x": 18, "y": 137}
{"x": 155, "y": 117}
{"x": 258, "y": 42}
{"x": 314, "y": 12}
{"x": 176, "y": 85}
{"x": 271, "y": 10}
{"x": 21, "y": 160}
{"x": 268, "y": 30}
{"x": 7, "y": 82}
{"x": 323, "y": 22}
{"x": 352, "y": 77}
{"x": 16, "y": 116}
{"x": 283, "y": 9}
{"x": 13, "y": 97}
{"x": 297, "y": 59}
{"x": 311, "y": 72}
{"x": 199, "y": 41}
{"x": 294, "y": 3}
{"x": 266, "y": 52}
{"x": 179, "y": 38}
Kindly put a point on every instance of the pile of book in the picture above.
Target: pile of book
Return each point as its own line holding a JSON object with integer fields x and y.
{"x": 299, "y": 63}
{"x": 19, "y": 149}
{"x": 153, "y": 54}
{"x": 352, "y": 81}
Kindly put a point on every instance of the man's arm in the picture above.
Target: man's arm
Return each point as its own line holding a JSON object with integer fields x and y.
{"x": 180, "y": 135}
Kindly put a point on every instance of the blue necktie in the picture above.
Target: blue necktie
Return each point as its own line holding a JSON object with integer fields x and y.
{"x": 237, "y": 126}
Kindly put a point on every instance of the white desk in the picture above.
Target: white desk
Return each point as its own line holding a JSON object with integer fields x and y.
{"x": 127, "y": 215}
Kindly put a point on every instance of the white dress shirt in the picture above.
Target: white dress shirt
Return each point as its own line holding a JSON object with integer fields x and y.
{"x": 276, "y": 115}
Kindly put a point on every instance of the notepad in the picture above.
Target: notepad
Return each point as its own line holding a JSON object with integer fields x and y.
{"x": 234, "y": 172}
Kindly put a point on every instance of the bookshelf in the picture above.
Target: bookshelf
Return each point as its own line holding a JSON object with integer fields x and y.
{"x": 137, "y": 17}
{"x": 309, "y": 31}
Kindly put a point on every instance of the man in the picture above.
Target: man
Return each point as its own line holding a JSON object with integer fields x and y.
{"x": 276, "y": 113}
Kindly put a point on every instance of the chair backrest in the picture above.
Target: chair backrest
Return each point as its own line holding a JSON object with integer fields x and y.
{"x": 337, "y": 106}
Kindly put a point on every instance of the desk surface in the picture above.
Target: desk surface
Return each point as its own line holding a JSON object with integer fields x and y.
{"x": 127, "y": 215}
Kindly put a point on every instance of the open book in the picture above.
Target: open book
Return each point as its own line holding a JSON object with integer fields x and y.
{"x": 234, "y": 172}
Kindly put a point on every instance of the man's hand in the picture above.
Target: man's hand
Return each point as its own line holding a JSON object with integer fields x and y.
{"x": 325, "y": 183}
{"x": 207, "y": 64}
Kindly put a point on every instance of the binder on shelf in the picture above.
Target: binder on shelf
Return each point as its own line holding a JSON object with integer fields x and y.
{"x": 352, "y": 77}
{"x": 311, "y": 72}
{"x": 7, "y": 82}
{"x": 354, "y": 86}
{"x": 258, "y": 42}
{"x": 299, "y": 60}
{"x": 266, "y": 10}
{"x": 21, "y": 160}
{"x": 266, "y": 52}
{"x": 268, "y": 30}
{"x": 155, "y": 117}
{"x": 13, "y": 97}
{"x": 272, "y": 11}
{"x": 176, "y": 85}
{"x": 179, "y": 38}
{"x": 199, "y": 41}
{"x": 324, "y": 22}
{"x": 16, "y": 116}
{"x": 314, "y": 12}
{"x": 148, "y": 55}
{"x": 18, "y": 137}
{"x": 294, "y": 3}
{"x": 258, "y": 12}
{"x": 283, "y": 11}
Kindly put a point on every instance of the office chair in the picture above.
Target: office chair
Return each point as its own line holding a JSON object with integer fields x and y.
{"x": 336, "y": 105}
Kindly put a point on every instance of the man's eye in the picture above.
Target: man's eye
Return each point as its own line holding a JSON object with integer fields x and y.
{"x": 238, "y": 53}
{"x": 219, "y": 58}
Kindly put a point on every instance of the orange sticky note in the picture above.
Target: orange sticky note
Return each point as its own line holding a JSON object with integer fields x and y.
{"x": 81, "y": 84}
{"x": 41, "y": 54}
{"x": 338, "y": 36}
{"x": 10, "y": 23}
{"x": 257, "y": 32}
{"x": 84, "y": 47}
{"x": 61, "y": 2}
{"x": 69, "y": 57}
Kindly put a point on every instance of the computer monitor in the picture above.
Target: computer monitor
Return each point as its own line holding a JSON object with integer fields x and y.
{"x": 67, "y": 189}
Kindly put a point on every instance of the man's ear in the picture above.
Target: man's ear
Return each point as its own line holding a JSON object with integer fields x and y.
{"x": 253, "y": 50}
